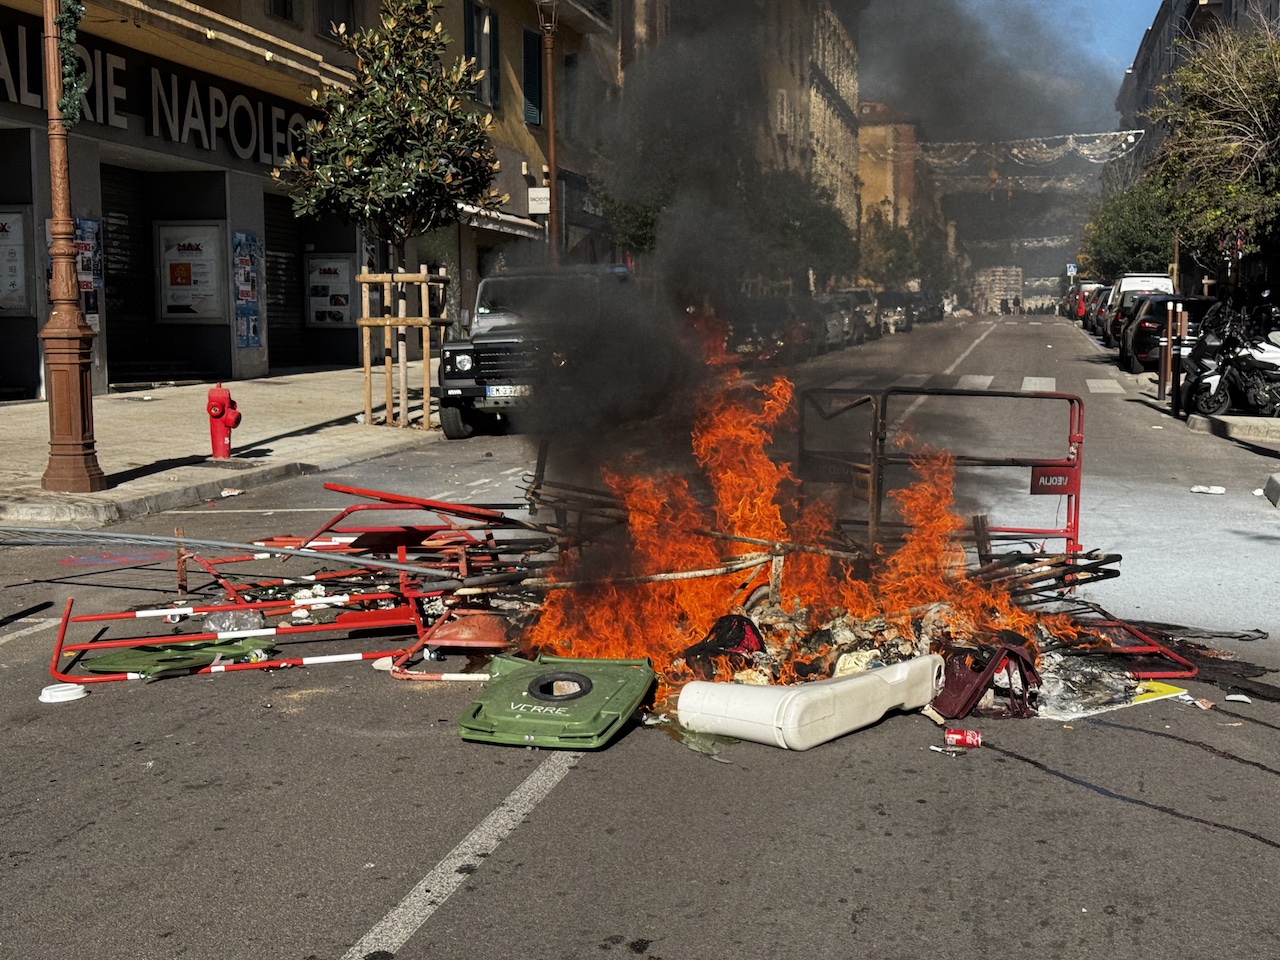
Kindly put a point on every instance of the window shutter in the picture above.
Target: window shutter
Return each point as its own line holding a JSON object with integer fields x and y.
{"x": 532, "y": 78}
{"x": 495, "y": 62}
{"x": 469, "y": 29}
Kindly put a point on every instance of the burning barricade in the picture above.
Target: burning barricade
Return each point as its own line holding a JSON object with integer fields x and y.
{"x": 764, "y": 621}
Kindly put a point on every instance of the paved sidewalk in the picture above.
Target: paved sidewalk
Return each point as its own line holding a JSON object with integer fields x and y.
{"x": 154, "y": 444}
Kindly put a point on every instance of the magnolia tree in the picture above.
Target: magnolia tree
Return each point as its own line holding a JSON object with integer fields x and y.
{"x": 398, "y": 150}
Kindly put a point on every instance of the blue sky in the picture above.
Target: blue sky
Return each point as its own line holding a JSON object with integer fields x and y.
{"x": 1111, "y": 28}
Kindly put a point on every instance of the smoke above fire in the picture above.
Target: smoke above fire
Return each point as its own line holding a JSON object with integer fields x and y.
{"x": 984, "y": 70}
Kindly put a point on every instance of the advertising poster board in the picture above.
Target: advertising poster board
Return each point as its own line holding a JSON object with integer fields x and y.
{"x": 13, "y": 262}
{"x": 88, "y": 241}
{"x": 246, "y": 254}
{"x": 193, "y": 283}
{"x": 330, "y": 300}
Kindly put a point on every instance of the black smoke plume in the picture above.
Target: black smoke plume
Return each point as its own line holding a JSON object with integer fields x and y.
{"x": 990, "y": 71}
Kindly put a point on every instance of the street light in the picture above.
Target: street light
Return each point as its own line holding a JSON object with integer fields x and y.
{"x": 548, "y": 18}
{"x": 68, "y": 340}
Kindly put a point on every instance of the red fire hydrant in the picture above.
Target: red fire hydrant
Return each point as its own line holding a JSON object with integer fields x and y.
{"x": 223, "y": 418}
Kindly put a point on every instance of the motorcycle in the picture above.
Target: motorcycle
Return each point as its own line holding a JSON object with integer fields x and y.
{"x": 1228, "y": 368}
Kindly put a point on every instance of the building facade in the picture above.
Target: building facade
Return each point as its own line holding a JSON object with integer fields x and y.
{"x": 887, "y": 156}
{"x": 1160, "y": 53}
{"x": 805, "y": 55}
{"x": 191, "y": 263}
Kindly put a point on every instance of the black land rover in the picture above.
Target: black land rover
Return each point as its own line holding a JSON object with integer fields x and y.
{"x": 526, "y": 327}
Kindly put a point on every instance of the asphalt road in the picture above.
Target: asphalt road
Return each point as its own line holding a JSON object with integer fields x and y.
{"x": 333, "y": 812}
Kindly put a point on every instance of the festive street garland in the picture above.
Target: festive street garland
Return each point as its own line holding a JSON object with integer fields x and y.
{"x": 74, "y": 80}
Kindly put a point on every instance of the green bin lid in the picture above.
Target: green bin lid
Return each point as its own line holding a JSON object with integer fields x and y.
{"x": 556, "y": 701}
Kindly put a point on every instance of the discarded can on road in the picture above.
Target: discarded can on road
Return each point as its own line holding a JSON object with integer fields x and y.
{"x": 962, "y": 738}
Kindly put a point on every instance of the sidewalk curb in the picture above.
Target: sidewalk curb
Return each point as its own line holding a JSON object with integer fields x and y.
{"x": 113, "y": 506}
{"x": 1236, "y": 428}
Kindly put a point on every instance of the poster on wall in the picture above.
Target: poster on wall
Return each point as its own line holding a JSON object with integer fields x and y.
{"x": 192, "y": 279}
{"x": 246, "y": 254}
{"x": 13, "y": 262}
{"x": 329, "y": 291}
{"x": 88, "y": 242}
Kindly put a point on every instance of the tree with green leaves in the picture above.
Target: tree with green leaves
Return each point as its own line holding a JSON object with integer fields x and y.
{"x": 399, "y": 149}
{"x": 1219, "y": 166}
{"x": 1129, "y": 232}
{"x": 936, "y": 267}
{"x": 888, "y": 257}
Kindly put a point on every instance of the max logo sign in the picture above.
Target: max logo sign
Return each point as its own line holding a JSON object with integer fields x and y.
{"x": 1055, "y": 481}
{"x": 188, "y": 248}
{"x": 4, "y": 228}
{"x": 328, "y": 271}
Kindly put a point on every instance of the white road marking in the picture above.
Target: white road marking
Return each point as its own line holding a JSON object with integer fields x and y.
{"x": 394, "y": 930}
{"x": 912, "y": 380}
{"x": 1039, "y": 384}
{"x": 37, "y": 624}
{"x": 972, "y": 381}
{"x": 855, "y": 382}
{"x": 960, "y": 359}
{"x": 479, "y": 483}
{"x": 507, "y": 473}
{"x": 1104, "y": 386}
{"x": 911, "y": 408}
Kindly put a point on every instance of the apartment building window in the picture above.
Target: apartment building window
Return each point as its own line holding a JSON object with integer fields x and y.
{"x": 533, "y": 78}
{"x": 570, "y": 123}
{"x": 480, "y": 26}
{"x": 334, "y": 13}
{"x": 290, "y": 10}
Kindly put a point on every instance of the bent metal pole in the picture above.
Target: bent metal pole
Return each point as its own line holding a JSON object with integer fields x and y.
{"x": 68, "y": 340}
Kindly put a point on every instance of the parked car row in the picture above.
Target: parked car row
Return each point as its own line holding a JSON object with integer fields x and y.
{"x": 1132, "y": 315}
{"x": 792, "y": 329}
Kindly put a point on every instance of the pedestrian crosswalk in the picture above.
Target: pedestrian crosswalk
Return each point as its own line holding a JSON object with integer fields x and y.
{"x": 999, "y": 382}
{"x": 1039, "y": 383}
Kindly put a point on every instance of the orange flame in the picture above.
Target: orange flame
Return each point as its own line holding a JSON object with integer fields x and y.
{"x": 755, "y": 498}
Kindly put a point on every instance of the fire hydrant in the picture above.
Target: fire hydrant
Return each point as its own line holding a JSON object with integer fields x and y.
{"x": 223, "y": 418}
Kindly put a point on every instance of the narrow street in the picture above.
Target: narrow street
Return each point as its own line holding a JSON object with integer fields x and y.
{"x": 333, "y": 812}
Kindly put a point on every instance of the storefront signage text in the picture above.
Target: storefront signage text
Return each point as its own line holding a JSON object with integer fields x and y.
{"x": 131, "y": 91}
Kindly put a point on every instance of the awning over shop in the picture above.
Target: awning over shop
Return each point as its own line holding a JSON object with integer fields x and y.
{"x": 502, "y": 222}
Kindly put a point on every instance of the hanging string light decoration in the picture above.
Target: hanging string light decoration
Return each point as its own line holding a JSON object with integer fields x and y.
{"x": 1093, "y": 147}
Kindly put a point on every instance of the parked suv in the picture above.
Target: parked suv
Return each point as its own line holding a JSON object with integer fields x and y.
{"x": 866, "y": 314}
{"x": 781, "y": 330}
{"x": 511, "y": 342}
{"x": 1124, "y": 292}
{"x": 897, "y": 311}
{"x": 1077, "y": 298}
{"x": 859, "y": 304}
{"x": 1141, "y": 338}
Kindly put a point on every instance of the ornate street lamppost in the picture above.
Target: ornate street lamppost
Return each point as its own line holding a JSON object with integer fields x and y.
{"x": 548, "y": 15}
{"x": 68, "y": 340}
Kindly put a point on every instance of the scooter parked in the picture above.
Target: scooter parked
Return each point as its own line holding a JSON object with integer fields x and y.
{"x": 1229, "y": 368}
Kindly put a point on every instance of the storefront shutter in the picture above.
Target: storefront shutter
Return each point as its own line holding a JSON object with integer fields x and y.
{"x": 129, "y": 293}
{"x": 283, "y": 279}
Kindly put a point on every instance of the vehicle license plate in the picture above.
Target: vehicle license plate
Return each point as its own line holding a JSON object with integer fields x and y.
{"x": 507, "y": 390}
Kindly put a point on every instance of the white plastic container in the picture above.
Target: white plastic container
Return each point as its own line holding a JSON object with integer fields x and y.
{"x": 803, "y": 716}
